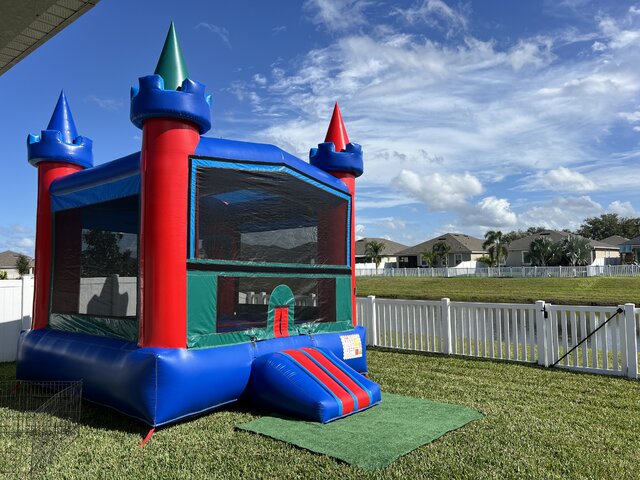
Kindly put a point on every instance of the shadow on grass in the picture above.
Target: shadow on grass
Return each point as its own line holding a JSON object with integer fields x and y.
{"x": 99, "y": 417}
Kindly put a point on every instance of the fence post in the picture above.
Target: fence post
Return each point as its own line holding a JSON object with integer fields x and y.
{"x": 541, "y": 332}
{"x": 445, "y": 315}
{"x": 632, "y": 341}
{"x": 26, "y": 299}
{"x": 22, "y": 301}
{"x": 372, "y": 316}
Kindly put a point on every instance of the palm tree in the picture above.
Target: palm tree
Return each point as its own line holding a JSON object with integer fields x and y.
{"x": 373, "y": 252}
{"x": 496, "y": 246}
{"x": 543, "y": 252}
{"x": 429, "y": 258}
{"x": 441, "y": 252}
{"x": 576, "y": 250}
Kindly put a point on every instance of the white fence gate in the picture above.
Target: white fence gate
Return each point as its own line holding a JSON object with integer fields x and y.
{"x": 16, "y": 301}
{"x": 531, "y": 333}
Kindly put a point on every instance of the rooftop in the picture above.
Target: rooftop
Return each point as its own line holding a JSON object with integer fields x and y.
{"x": 8, "y": 259}
{"x": 390, "y": 247}
{"x": 614, "y": 240}
{"x": 459, "y": 243}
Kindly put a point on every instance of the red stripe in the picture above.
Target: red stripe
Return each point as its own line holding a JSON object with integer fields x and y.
{"x": 276, "y": 323}
{"x": 284, "y": 321}
{"x": 357, "y": 390}
{"x": 348, "y": 404}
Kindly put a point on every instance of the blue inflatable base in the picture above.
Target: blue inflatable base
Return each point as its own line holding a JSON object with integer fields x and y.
{"x": 158, "y": 385}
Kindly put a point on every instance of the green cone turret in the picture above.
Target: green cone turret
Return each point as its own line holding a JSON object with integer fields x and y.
{"x": 171, "y": 66}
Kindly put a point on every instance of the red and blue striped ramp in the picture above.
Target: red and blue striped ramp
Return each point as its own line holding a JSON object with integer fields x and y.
{"x": 309, "y": 383}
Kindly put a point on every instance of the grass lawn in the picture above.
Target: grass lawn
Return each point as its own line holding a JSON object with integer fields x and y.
{"x": 565, "y": 291}
{"x": 539, "y": 424}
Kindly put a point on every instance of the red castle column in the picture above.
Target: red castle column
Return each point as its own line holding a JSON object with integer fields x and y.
{"x": 343, "y": 160}
{"x": 171, "y": 121}
{"x": 56, "y": 152}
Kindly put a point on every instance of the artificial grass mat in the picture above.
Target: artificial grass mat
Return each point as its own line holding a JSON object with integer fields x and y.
{"x": 373, "y": 438}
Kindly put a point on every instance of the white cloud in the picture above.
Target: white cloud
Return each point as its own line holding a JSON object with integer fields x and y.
{"x": 260, "y": 79}
{"x": 376, "y": 197}
{"x": 106, "y": 103}
{"x": 560, "y": 179}
{"x": 439, "y": 192}
{"x": 447, "y": 122}
{"x": 435, "y": 13}
{"x": 221, "y": 32}
{"x": 617, "y": 34}
{"x": 17, "y": 238}
{"x": 536, "y": 53}
{"x": 631, "y": 117}
{"x": 561, "y": 212}
{"x": 624, "y": 209}
{"x": 473, "y": 104}
{"x": 490, "y": 212}
{"x": 336, "y": 15}
{"x": 384, "y": 223}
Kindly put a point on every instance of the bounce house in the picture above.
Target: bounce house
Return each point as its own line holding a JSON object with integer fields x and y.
{"x": 196, "y": 271}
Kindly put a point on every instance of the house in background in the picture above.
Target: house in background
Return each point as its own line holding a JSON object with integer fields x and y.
{"x": 389, "y": 254}
{"x": 518, "y": 250}
{"x": 630, "y": 251}
{"x": 615, "y": 240}
{"x": 463, "y": 248}
{"x": 8, "y": 260}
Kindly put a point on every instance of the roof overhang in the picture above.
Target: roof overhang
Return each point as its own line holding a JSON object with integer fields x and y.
{"x": 27, "y": 24}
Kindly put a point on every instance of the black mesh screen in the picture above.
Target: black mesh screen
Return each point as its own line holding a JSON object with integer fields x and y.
{"x": 243, "y": 302}
{"x": 259, "y": 216}
{"x": 95, "y": 267}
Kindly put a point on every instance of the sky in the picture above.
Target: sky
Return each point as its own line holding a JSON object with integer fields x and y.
{"x": 476, "y": 115}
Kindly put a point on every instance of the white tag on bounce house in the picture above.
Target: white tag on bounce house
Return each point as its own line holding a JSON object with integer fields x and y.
{"x": 351, "y": 346}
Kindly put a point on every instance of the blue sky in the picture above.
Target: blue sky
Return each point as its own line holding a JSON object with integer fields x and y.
{"x": 472, "y": 115}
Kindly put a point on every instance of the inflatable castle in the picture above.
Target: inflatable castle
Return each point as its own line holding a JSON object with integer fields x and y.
{"x": 197, "y": 271}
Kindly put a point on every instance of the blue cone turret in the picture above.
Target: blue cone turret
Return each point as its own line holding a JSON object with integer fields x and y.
{"x": 60, "y": 142}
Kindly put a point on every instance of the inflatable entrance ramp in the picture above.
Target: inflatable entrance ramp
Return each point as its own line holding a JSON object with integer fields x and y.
{"x": 310, "y": 383}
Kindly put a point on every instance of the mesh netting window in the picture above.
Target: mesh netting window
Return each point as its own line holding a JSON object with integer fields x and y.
{"x": 243, "y": 302}
{"x": 267, "y": 216}
{"x": 95, "y": 268}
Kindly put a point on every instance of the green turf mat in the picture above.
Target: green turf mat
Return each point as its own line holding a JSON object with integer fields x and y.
{"x": 374, "y": 438}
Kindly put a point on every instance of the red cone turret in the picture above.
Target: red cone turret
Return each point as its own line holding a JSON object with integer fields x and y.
{"x": 337, "y": 133}
{"x": 342, "y": 159}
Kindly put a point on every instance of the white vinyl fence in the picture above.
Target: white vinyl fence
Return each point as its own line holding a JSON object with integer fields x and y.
{"x": 531, "y": 333}
{"x": 517, "y": 272}
{"x": 16, "y": 301}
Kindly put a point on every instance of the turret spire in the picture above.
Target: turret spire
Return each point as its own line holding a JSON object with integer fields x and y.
{"x": 62, "y": 120}
{"x": 171, "y": 65}
{"x": 337, "y": 133}
{"x": 60, "y": 142}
